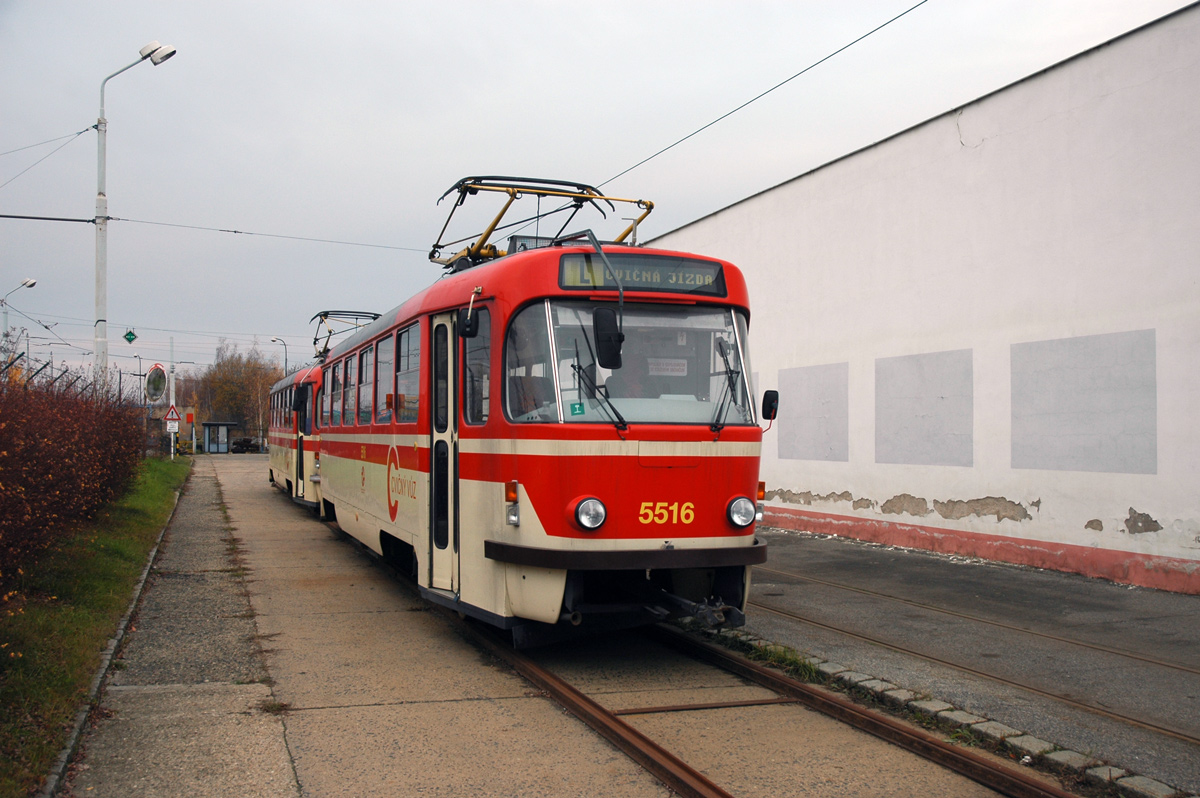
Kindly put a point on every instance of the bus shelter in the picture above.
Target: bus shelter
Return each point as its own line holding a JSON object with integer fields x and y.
{"x": 216, "y": 436}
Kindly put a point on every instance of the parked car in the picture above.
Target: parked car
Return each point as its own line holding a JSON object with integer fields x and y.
{"x": 243, "y": 445}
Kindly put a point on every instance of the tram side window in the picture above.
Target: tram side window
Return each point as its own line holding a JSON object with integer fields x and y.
{"x": 325, "y": 398}
{"x": 408, "y": 374}
{"x": 529, "y": 390}
{"x": 287, "y": 407}
{"x": 476, "y": 371}
{"x": 366, "y": 386}
{"x": 335, "y": 409}
{"x": 385, "y": 381}
{"x": 348, "y": 392}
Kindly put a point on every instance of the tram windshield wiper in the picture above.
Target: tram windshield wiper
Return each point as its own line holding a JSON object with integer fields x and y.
{"x": 727, "y": 390}
{"x": 594, "y": 390}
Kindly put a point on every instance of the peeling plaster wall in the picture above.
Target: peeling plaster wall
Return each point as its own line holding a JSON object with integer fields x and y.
{"x": 1043, "y": 242}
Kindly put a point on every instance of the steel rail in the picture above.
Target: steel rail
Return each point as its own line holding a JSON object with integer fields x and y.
{"x": 967, "y": 763}
{"x": 1012, "y": 627}
{"x": 672, "y": 771}
{"x": 1164, "y": 730}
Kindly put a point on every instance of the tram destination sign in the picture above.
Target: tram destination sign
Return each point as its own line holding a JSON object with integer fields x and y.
{"x": 585, "y": 272}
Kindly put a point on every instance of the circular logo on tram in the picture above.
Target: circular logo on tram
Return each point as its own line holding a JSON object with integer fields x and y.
{"x": 393, "y": 479}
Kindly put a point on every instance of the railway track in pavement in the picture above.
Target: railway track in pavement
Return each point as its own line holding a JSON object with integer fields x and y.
{"x": 690, "y": 779}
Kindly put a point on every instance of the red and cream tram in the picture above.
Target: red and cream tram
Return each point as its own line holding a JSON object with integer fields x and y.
{"x": 559, "y": 436}
{"x": 294, "y": 438}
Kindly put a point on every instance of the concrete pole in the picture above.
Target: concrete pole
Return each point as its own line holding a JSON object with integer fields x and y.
{"x": 171, "y": 390}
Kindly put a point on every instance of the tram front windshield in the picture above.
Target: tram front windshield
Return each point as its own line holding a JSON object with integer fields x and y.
{"x": 679, "y": 365}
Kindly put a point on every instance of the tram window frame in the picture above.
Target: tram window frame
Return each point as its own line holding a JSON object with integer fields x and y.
{"x": 325, "y": 401}
{"x": 477, "y": 362}
{"x": 408, "y": 375}
{"x": 440, "y": 352}
{"x": 335, "y": 398}
{"x": 526, "y": 387}
{"x": 287, "y": 407}
{"x": 366, "y": 386}
{"x": 350, "y": 391}
{"x": 385, "y": 378}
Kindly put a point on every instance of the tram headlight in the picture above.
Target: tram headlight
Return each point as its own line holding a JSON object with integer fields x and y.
{"x": 741, "y": 512}
{"x": 590, "y": 514}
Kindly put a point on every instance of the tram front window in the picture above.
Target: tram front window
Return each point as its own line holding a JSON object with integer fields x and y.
{"x": 680, "y": 365}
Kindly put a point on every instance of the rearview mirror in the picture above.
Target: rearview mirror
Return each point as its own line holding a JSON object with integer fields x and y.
{"x": 299, "y": 398}
{"x": 468, "y": 323}
{"x": 608, "y": 338}
{"x": 770, "y": 405}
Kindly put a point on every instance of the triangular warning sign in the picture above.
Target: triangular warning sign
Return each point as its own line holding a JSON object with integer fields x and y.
{"x": 172, "y": 415}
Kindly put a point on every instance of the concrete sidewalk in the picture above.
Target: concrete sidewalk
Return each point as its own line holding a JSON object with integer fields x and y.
{"x": 182, "y": 709}
{"x": 269, "y": 658}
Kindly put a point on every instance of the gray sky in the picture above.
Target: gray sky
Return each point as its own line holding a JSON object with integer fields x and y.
{"x": 346, "y": 121}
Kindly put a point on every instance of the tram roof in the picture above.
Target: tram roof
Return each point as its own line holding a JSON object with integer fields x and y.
{"x": 309, "y": 374}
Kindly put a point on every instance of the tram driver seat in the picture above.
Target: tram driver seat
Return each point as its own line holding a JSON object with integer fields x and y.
{"x": 532, "y": 395}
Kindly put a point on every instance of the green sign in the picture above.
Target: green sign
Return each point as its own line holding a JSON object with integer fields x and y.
{"x": 129, "y": 336}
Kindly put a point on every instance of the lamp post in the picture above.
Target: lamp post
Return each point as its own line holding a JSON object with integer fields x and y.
{"x": 156, "y": 53}
{"x": 281, "y": 341}
{"x": 28, "y": 282}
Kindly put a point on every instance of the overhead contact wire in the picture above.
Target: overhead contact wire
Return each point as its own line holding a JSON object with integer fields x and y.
{"x": 808, "y": 68}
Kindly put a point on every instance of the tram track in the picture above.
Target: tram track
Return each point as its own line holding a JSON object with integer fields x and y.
{"x": 1077, "y": 704}
{"x": 976, "y": 619}
{"x": 686, "y": 780}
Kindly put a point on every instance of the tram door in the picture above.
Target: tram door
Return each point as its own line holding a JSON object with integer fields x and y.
{"x": 443, "y": 516}
{"x": 300, "y": 403}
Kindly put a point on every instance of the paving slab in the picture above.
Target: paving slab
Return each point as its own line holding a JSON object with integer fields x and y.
{"x": 1143, "y": 787}
{"x": 1029, "y": 745}
{"x": 995, "y": 731}
{"x": 194, "y": 740}
{"x": 811, "y": 755}
{"x": 488, "y": 747}
{"x": 1072, "y": 760}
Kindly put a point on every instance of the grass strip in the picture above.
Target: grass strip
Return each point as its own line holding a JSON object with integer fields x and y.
{"x": 54, "y": 630}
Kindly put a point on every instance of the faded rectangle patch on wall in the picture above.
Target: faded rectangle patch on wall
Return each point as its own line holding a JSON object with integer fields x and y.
{"x": 924, "y": 409}
{"x": 1086, "y": 404}
{"x": 814, "y": 413}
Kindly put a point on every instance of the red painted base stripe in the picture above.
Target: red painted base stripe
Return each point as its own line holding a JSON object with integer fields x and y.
{"x": 1130, "y": 568}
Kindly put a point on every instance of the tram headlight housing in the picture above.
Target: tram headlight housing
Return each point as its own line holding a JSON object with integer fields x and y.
{"x": 590, "y": 514}
{"x": 741, "y": 512}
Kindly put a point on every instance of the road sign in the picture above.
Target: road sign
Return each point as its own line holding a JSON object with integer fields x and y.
{"x": 172, "y": 426}
{"x": 173, "y": 415}
{"x": 130, "y": 336}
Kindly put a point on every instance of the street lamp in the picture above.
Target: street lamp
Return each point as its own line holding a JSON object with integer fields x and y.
{"x": 28, "y": 282}
{"x": 156, "y": 54}
{"x": 281, "y": 341}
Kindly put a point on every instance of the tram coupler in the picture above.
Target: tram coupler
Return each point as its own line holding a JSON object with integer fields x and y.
{"x": 712, "y": 612}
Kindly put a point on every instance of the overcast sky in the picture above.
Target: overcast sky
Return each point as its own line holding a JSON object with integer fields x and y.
{"x": 347, "y": 121}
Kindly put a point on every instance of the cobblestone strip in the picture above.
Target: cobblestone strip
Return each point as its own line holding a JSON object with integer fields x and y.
{"x": 1030, "y": 749}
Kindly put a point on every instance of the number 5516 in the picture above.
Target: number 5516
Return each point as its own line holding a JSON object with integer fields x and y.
{"x": 662, "y": 513}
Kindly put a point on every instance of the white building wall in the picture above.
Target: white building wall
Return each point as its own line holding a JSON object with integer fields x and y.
{"x": 1001, "y": 303}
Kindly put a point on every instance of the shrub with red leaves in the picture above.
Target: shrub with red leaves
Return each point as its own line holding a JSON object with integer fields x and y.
{"x": 63, "y": 455}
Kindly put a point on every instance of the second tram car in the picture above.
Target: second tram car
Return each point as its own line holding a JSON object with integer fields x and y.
{"x": 563, "y": 436}
{"x": 294, "y": 438}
